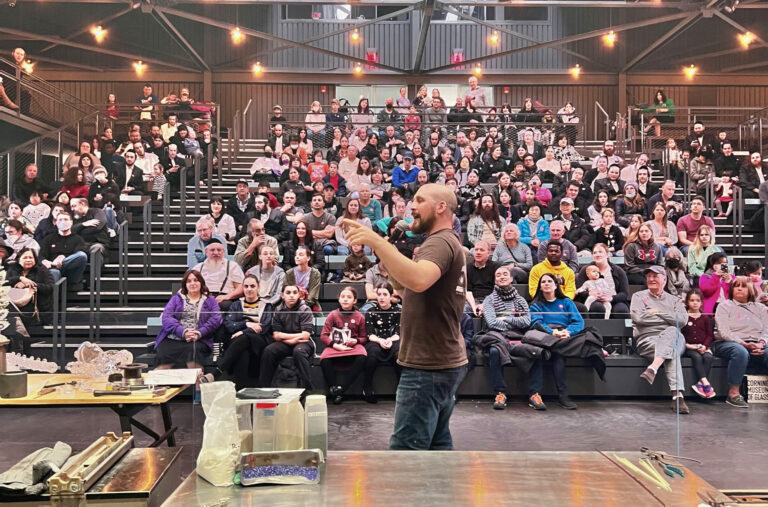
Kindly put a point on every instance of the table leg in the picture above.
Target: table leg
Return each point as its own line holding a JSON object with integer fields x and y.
{"x": 127, "y": 422}
{"x": 168, "y": 424}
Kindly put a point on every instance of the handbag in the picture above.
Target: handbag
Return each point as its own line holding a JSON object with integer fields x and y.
{"x": 540, "y": 338}
{"x": 21, "y": 296}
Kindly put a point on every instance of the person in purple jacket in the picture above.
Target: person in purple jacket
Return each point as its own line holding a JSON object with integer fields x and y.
{"x": 190, "y": 320}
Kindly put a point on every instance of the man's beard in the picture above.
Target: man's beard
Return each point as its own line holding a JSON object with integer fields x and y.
{"x": 488, "y": 215}
{"x": 422, "y": 224}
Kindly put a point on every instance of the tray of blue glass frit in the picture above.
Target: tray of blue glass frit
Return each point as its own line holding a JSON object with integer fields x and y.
{"x": 282, "y": 467}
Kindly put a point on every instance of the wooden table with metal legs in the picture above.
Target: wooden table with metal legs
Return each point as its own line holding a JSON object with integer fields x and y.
{"x": 125, "y": 406}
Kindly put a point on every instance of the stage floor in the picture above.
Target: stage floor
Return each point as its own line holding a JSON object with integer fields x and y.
{"x": 479, "y": 478}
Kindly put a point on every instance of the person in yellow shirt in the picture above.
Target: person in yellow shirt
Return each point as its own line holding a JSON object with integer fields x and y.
{"x": 553, "y": 264}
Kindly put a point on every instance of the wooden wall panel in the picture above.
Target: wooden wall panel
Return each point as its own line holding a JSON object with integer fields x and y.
{"x": 294, "y": 98}
{"x": 95, "y": 92}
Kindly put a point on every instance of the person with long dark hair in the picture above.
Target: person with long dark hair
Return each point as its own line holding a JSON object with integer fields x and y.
{"x": 248, "y": 323}
{"x": 485, "y": 223}
{"x": 382, "y": 326}
{"x": 661, "y": 111}
{"x": 190, "y": 320}
{"x": 344, "y": 336}
{"x": 557, "y": 315}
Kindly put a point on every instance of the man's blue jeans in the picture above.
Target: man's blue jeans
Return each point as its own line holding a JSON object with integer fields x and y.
{"x": 738, "y": 359}
{"x": 72, "y": 268}
{"x": 423, "y": 409}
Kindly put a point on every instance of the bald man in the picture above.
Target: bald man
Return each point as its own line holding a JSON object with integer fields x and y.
{"x": 432, "y": 351}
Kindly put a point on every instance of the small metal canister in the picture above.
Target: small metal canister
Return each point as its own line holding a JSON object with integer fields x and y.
{"x": 13, "y": 384}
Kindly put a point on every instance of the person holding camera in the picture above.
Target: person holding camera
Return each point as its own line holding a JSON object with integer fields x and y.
{"x": 715, "y": 283}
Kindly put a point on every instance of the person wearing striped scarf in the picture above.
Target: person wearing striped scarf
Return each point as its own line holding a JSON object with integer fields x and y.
{"x": 503, "y": 310}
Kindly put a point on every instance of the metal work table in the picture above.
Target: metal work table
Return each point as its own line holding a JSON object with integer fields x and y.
{"x": 143, "y": 477}
{"x": 458, "y": 478}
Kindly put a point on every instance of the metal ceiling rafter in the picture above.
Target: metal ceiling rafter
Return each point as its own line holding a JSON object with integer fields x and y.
{"x": 571, "y": 38}
{"x": 63, "y": 63}
{"x": 581, "y": 4}
{"x": 87, "y": 28}
{"x": 674, "y": 32}
{"x": 355, "y": 26}
{"x": 528, "y": 38}
{"x": 427, "y": 11}
{"x": 262, "y": 35}
{"x": 165, "y": 23}
{"x": 742, "y": 29}
{"x": 92, "y": 49}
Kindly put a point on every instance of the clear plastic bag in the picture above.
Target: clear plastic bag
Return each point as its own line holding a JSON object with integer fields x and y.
{"x": 220, "y": 453}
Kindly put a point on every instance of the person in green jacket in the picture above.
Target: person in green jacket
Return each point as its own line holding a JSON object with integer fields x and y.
{"x": 662, "y": 111}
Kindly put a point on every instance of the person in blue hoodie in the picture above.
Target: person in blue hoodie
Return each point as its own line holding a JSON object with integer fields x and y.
{"x": 552, "y": 313}
{"x": 404, "y": 176}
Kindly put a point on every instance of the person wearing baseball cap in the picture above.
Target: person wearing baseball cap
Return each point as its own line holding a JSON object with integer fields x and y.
{"x": 404, "y": 176}
{"x": 277, "y": 115}
{"x": 657, "y": 318}
{"x": 241, "y": 204}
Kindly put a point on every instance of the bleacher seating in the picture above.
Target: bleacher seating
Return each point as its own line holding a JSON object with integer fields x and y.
{"x": 128, "y": 320}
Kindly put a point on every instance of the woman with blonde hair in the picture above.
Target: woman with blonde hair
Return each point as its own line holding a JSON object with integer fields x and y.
{"x": 315, "y": 122}
{"x": 703, "y": 246}
{"x": 514, "y": 254}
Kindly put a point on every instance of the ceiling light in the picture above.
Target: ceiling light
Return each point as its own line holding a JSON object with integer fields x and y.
{"x": 237, "y": 35}
{"x": 609, "y": 39}
{"x": 494, "y": 38}
{"x": 139, "y": 67}
{"x": 358, "y": 69}
{"x": 478, "y": 70}
{"x": 576, "y": 70}
{"x": 98, "y": 33}
{"x": 28, "y": 66}
{"x": 690, "y": 71}
{"x": 257, "y": 68}
{"x": 746, "y": 39}
{"x": 355, "y": 35}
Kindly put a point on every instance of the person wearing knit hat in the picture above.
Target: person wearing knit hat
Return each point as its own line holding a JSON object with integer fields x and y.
{"x": 103, "y": 189}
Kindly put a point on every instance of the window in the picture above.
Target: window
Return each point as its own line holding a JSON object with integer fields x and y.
{"x": 340, "y": 11}
{"x": 526, "y": 13}
{"x": 477, "y": 12}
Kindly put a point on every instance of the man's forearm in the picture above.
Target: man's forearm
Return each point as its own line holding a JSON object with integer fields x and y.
{"x": 402, "y": 270}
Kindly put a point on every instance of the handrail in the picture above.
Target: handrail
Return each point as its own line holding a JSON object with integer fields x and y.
{"x": 236, "y": 127}
{"x": 606, "y": 122}
{"x": 183, "y": 199}
{"x": 166, "y": 216}
{"x": 61, "y": 92}
{"x": 738, "y": 196}
{"x": 196, "y": 167}
{"x": 94, "y": 298}
{"x": 59, "y": 322}
{"x": 122, "y": 263}
{"x": 246, "y": 129}
{"x": 146, "y": 243}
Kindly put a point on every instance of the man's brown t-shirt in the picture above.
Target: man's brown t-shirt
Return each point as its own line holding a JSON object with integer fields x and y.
{"x": 430, "y": 324}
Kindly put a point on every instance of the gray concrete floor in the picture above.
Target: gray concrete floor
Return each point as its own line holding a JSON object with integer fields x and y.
{"x": 730, "y": 442}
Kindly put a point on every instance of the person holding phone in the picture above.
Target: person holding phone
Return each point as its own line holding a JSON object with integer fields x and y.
{"x": 715, "y": 283}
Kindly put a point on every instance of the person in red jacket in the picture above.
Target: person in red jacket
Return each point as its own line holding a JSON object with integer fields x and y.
{"x": 343, "y": 335}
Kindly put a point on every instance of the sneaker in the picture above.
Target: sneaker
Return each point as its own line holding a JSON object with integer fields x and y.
{"x": 370, "y": 397}
{"x": 700, "y": 390}
{"x": 535, "y": 402}
{"x": 648, "y": 375}
{"x": 564, "y": 401}
{"x": 683, "y": 407}
{"x": 500, "y": 403}
{"x": 737, "y": 401}
{"x": 709, "y": 391}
